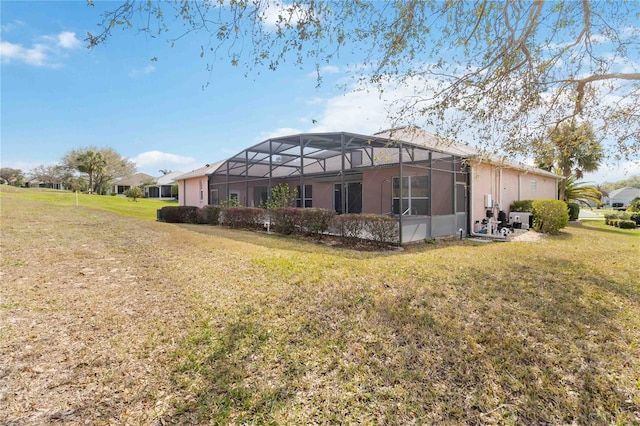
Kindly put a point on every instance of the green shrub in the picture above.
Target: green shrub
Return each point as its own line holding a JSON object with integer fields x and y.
{"x": 635, "y": 217}
{"x": 614, "y": 222}
{"x": 626, "y": 224}
{"x": 634, "y": 206}
{"x": 316, "y": 221}
{"x": 521, "y": 206}
{"x": 243, "y": 217}
{"x": 574, "y": 211}
{"x": 382, "y": 229}
{"x": 549, "y": 216}
{"x": 179, "y": 214}
{"x": 209, "y": 215}
{"x": 286, "y": 220}
{"x": 134, "y": 193}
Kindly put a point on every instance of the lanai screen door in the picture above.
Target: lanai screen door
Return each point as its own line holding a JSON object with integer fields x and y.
{"x": 353, "y": 195}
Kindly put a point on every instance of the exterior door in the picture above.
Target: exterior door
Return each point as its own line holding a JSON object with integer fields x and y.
{"x": 353, "y": 196}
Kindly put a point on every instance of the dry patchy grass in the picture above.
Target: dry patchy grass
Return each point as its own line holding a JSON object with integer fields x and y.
{"x": 114, "y": 320}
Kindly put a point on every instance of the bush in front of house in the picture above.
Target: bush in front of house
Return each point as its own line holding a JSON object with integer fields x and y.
{"x": 179, "y": 214}
{"x": 209, "y": 215}
{"x": 382, "y": 229}
{"x": 350, "y": 226}
{"x": 634, "y": 206}
{"x": 521, "y": 206}
{"x": 549, "y": 216}
{"x": 316, "y": 221}
{"x": 635, "y": 217}
{"x": 574, "y": 211}
{"x": 243, "y": 217}
{"x": 286, "y": 220}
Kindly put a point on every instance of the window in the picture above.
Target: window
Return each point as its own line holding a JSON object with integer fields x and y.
{"x": 356, "y": 158}
{"x": 533, "y": 186}
{"x": 214, "y": 197}
{"x": 308, "y": 195}
{"x": 415, "y": 195}
{"x": 201, "y": 192}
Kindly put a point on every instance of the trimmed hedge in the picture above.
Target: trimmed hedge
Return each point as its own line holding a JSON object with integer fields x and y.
{"x": 243, "y": 217}
{"x": 179, "y": 214}
{"x": 209, "y": 215}
{"x": 521, "y": 206}
{"x": 626, "y": 224}
{"x": 286, "y": 220}
{"x": 350, "y": 225}
{"x": 574, "y": 211}
{"x": 615, "y": 219}
{"x": 549, "y": 216}
{"x": 382, "y": 229}
{"x": 316, "y": 221}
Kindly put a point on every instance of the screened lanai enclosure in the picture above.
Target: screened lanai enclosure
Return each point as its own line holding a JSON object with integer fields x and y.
{"x": 425, "y": 189}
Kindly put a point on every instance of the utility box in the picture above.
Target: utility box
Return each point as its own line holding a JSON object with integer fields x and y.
{"x": 521, "y": 220}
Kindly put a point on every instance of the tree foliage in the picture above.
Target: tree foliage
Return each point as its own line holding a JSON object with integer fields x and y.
{"x": 582, "y": 193}
{"x": 282, "y": 196}
{"x": 11, "y": 176}
{"x": 632, "y": 181}
{"x": 101, "y": 166}
{"x": 50, "y": 173}
{"x": 571, "y": 149}
{"x": 499, "y": 73}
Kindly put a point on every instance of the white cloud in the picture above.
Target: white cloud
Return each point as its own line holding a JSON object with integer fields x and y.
{"x": 325, "y": 70}
{"x": 151, "y": 162}
{"x": 282, "y": 131}
{"x": 68, "y": 40}
{"x": 46, "y": 53}
{"x": 5, "y": 28}
{"x": 140, "y": 72}
{"x": 36, "y": 55}
{"x": 614, "y": 172}
{"x": 278, "y": 14}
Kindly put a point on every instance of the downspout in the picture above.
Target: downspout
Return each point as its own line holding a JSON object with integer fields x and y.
{"x": 500, "y": 190}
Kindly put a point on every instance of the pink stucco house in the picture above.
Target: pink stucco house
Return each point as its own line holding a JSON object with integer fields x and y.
{"x": 433, "y": 188}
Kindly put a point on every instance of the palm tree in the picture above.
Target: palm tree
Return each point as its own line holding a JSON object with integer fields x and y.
{"x": 581, "y": 192}
{"x": 90, "y": 162}
{"x": 571, "y": 149}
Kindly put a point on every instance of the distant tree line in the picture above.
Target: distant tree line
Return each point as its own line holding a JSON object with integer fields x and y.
{"x": 85, "y": 169}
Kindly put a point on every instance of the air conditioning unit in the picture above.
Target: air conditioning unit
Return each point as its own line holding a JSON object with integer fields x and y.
{"x": 521, "y": 220}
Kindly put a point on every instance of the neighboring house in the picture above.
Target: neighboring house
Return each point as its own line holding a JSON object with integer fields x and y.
{"x": 621, "y": 198}
{"x": 434, "y": 188}
{"x": 123, "y": 185}
{"x": 35, "y": 183}
{"x": 162, "y": 188}
{"x": 193, "y": 187}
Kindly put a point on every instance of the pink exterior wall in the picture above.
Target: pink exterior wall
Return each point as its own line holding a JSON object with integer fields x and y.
{"x": 505, "y": 186}
{"x": 189, "y": 192}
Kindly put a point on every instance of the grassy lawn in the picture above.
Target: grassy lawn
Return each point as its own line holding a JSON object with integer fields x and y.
{"x": 143, "y": 208}
{"x": 110, "y": 319}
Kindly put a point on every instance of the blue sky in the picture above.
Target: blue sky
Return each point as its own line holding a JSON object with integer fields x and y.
{"x": 57, "y": 95}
